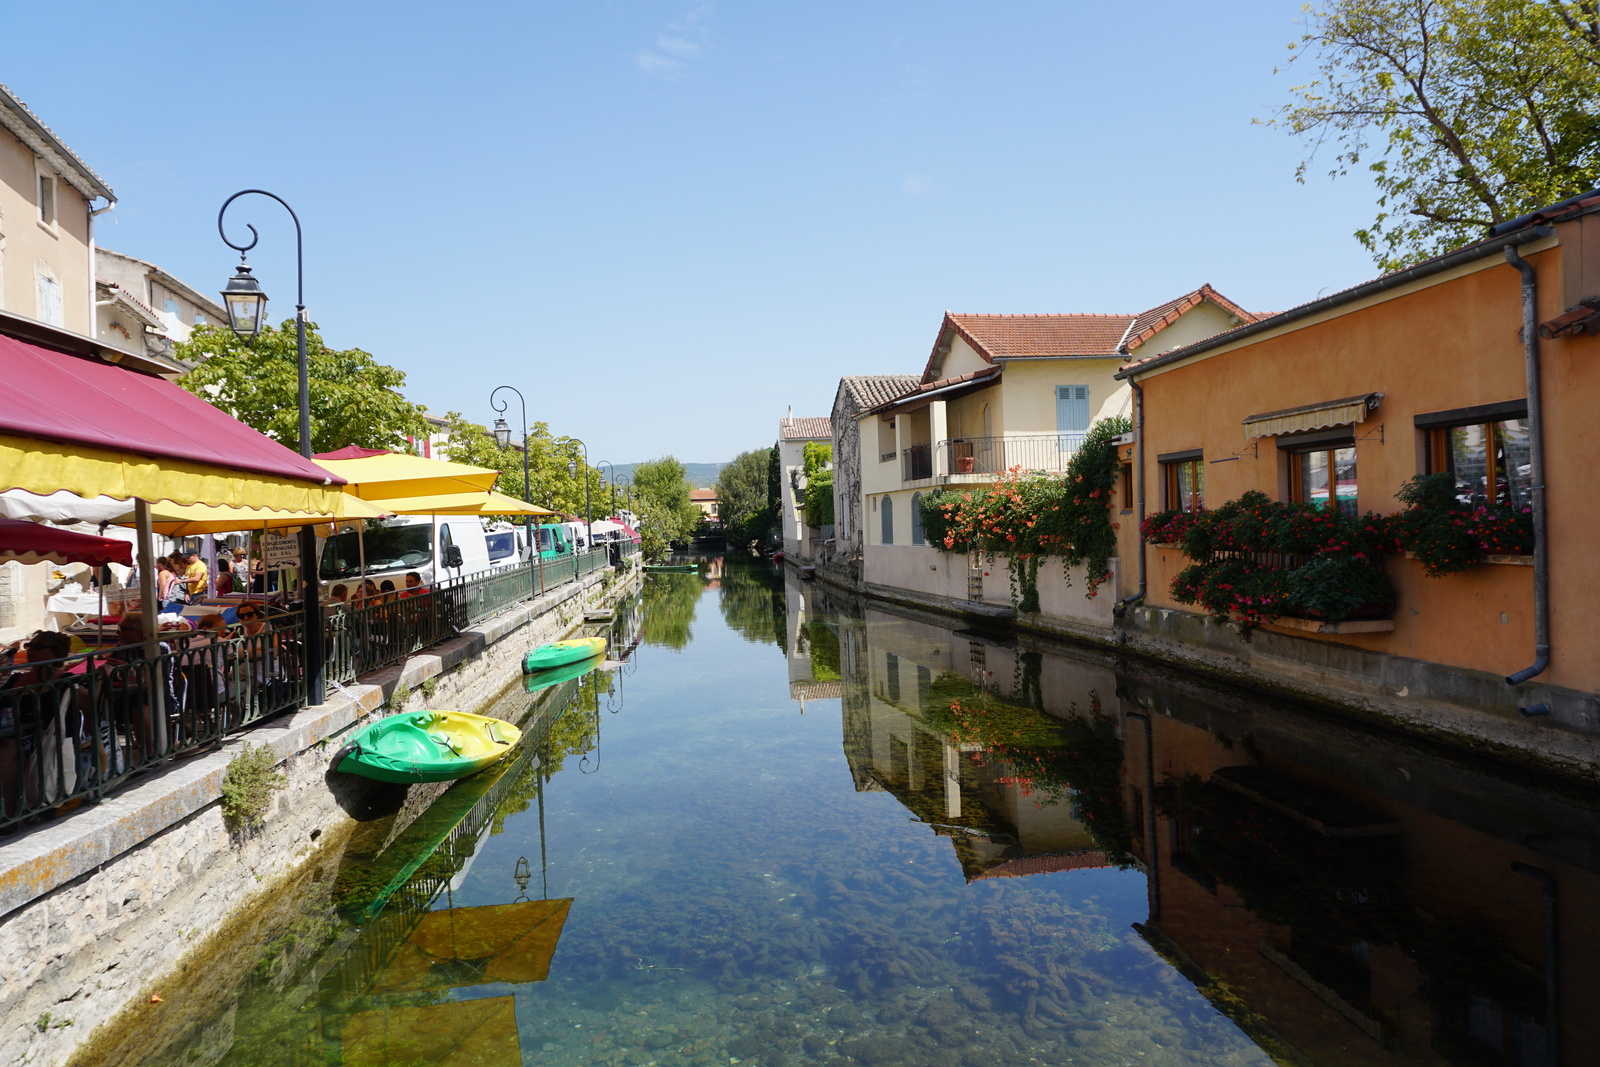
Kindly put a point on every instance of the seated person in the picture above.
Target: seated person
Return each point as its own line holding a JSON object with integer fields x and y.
{"x": 40, "y": 725}
{"x": 414, "y": 586}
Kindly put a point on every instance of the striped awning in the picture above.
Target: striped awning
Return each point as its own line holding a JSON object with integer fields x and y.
{"x": 1347, "y": 411}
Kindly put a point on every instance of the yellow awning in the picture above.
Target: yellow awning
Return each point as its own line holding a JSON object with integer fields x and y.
{"x": 185, "y": 520}
{"x": 43, "y": 466}
{"x": 1343, "y": 412}
{"x": 396, "y": 475}
{"x": 460, "y": 504}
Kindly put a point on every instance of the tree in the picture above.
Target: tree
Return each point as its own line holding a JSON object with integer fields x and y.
{"x": 354, "y": 398}
{"x": 661, "y": 497}
{"x": 549, "y": 461}
{"x": 818, "y": 460}
{"x": 742, "y": 500}
{"x": 1484, "y": 108}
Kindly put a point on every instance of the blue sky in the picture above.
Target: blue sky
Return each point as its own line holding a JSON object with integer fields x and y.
{"x": 668, "y": 221}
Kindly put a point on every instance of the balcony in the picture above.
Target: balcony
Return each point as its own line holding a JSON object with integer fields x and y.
{"x": 994, "y": 455}
{"x": 916, "y": 463}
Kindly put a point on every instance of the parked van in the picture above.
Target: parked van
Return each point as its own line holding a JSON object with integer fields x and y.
{"x": 454, "y": 546}
{"x": 555, "y": 541}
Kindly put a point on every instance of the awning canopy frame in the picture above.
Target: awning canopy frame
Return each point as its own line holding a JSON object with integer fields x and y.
{"x": 1347, "y": 411}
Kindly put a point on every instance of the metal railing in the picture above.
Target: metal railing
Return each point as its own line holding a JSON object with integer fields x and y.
{"x": 75, "y": 728}
{"x": 72, "y": 729}
{"x": 916, "y": 462}
{"x": 993, "y": 455}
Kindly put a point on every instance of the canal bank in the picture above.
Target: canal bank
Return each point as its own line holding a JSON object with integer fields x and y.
{"x": 818, "y": 831}
{"x": 101, "y": 904}
{"x": 1472, "y": 710}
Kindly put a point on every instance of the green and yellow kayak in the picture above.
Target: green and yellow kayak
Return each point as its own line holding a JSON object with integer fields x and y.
{"x": 556, "y": 675}
{"x": 561, "y": 653}
{"x": 426, "y": 746}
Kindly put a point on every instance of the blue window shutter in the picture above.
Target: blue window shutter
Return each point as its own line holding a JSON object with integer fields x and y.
{"x": 888, "y": 520}
{"x": 1072, "y": 409}
{"x": 917, "y": 537}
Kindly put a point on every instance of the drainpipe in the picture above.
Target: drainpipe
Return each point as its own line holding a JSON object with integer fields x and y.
{"x": 1547, "y": 887}
{"x": 1541, "y": 569}
{"x": 1138, "y": 463}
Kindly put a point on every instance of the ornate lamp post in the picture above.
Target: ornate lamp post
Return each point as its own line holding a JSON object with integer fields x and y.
{"x": 588, "y": 511}
{"x": 247, "y": 305}
{"x": 611, "y": 479}
{"x": 502, "y": 437}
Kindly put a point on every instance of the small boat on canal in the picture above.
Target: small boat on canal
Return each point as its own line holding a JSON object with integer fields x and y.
{"x": 426, "y": 746}
{"x": 561, "y": 653}
{"x": 532, "y": 683}
{"x": 672, "y": 568}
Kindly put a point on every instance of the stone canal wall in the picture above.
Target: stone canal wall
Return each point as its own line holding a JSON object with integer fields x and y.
{"x": 1465, "y": 709}
{"x": 99, "y": 910}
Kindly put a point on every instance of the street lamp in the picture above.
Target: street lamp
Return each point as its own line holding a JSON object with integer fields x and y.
{"x": 611, "y": 479}
{"x": 588, "y": 511}
{"x": 247, "y": 305}
{"x": 502, "y": 437}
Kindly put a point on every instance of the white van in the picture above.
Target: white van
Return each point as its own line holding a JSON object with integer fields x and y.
{"x": 436, "y": 547}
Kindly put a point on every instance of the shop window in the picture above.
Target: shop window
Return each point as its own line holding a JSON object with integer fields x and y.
{"x": 917, "y": 537}
{"x": 1183, "y": 475}
{"x": 1487, "y": 449}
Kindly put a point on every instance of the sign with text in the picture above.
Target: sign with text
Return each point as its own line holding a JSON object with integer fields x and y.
{"x": 282, "y": 550}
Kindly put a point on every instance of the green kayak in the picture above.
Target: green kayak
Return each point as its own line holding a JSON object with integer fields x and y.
{"x": 556, "y": 675}
{"x": 672, "y": 568}
{"x": 561, "y": 653}
{"x": 426, "y": 746}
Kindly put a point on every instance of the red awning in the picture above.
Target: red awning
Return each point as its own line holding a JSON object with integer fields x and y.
{"x": 82, "y": 401}
{"x": 32, "y": 542}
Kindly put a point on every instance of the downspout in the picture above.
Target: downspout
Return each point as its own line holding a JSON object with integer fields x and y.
{"x": 1138, "y": 463}
{"x": 1547, "y": 887}
{"x": 1541, "y": 567}
{"x": 94, "y": 305}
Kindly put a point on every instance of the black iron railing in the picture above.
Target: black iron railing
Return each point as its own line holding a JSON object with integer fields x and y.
{"x": 992, "y": 455}
{"x": 73, "y": 729}
{"x": 917, "y": 462}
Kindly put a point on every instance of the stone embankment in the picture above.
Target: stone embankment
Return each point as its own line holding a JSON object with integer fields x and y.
{"x": 100, "y": 910}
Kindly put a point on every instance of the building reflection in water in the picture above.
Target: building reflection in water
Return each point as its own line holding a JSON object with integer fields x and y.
{"x": 1345, "y": 897}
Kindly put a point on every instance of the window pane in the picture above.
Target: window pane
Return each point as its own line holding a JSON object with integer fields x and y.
{"x": 1469, "y": 458}
{"x": 1313, "y": 477}
{"x": 1191, "y": 485}
{"x": 1512, "y": 462}
{"x": 1344, "y": 479}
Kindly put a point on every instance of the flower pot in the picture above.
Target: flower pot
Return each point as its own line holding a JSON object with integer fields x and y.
{"x": 964, "y": 464}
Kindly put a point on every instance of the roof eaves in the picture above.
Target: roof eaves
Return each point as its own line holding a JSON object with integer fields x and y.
{"x": 1427, "y": 268}
{"x": 16, "y": 117}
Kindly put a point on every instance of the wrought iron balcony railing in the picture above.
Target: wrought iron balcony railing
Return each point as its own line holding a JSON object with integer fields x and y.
{"x": 992, "y": 455}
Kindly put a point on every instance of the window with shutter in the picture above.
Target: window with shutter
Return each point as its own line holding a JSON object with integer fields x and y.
{"x": 888, "y": 520}
{"x": 1072, "y": 415}
{"x": 49, "y": 300}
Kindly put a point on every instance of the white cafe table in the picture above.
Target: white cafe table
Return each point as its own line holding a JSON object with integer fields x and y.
{"x": 78, "y": 605}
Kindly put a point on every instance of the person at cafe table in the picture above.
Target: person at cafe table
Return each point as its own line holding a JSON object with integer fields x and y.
{"x": 40, "y": 724}
{"x": 267, "y": 657}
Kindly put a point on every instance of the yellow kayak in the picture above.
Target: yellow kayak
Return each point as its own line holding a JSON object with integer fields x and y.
{"x": 560, "y": 653}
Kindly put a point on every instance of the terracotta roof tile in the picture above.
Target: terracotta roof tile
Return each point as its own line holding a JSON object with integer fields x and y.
{"x": 1011, "y": 336}
{"x": 870, "y": 390}
{"x": 806, "y": 429}
{"x": 1161, "y": 316}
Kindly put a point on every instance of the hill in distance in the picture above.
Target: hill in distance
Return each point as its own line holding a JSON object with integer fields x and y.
{"x": 699, "y": 475}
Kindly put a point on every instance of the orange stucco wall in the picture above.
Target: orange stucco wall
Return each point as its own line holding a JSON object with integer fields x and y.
{"x": 1452, "y": 344}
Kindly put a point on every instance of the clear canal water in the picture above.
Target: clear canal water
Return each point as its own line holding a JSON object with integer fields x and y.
{"x": 781, "y": 827}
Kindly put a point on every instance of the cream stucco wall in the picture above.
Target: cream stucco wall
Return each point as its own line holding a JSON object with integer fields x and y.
{"x": 1028, "y": 389}
{"x": 28, "y": 247}
{"x": 961, "y": 359}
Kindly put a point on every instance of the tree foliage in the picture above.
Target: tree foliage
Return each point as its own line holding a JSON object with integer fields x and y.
{"x": 818, "y": 460}
{"x": 742, "y": 500}
{"x": 1466, "y": 113}
{"x": 355, "y": 400}
{"x": 661, "y": 497}
{"x": 549, "y": 465}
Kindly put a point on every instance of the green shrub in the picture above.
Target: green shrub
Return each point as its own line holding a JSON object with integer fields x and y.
{"x": 249, "y": 783}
